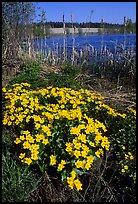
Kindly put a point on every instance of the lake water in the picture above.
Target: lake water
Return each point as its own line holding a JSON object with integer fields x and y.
{"x": 112, "y": 43}
{"x": 96, "y": 40}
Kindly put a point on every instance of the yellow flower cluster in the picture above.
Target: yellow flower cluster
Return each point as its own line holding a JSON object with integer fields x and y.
{"x": 110, "y": 110}
{"x": 132, "y": 111}
{"x": 74, "y": 183}
{"x": 61, "y": 165}
{"x": 124, "y": 169}
{"x": 40, "y": 113}
{"x": 52, "y": 160}
{"x": 28, "y": 143}
{"x": 129, "y": 156}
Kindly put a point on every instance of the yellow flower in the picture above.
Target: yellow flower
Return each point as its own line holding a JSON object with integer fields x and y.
{"x": 27, "y": 161}
{"x": 75, "y": 130}
{"x": 9, "y": 123}
{"x": 37, "y": 126}
{"x": 5, "y": 121}
{"x": 63, "y": 162}
{"x": 34, "y": 156}
{"x": 25, "y": 84}
{"x": 80, "y": 164}
{"x": 131, "y": 157}
{"x": 22, "y": 137}
{"x": 70, "y": 181}
{"x": 126, "y": 167}
{"x": 88, "y": 165}
{"x": 17, "y": 141}
{"x": 4, "y": 89}
{"x": 26, "y": 132}
{"x": 92, "y": 144}
{"x": 84, "y": 154}
{"x": 69, "y": 147}
{"x": 90, "y": 159}
{"x": 34, "y": 147}
{"x": 28, "y": 118}
{"x": 77, "y": 145}
{"x": 97, "y": 153}
{"x": 85, "y": 148}
{"x": 126, "y": 156}
{"x": 82, "y": 137}
{"x": 78, "y": 184}
{"x": 52, "y": 160}
{"x": 77, "y": 153}
{"x": 22, "y": 155}
{"x": 26, "y": 145}
{"x": 31, "y": 140}
{"x": 73, "y": 174}
{"x": 61, "y": 166}
{"x": 39, "y": 137}
{"x": 12, "y": 117}
{"x": 46, "y": 130}
{"x": 122, "y": 115}
{"x": 45, "y": 141}
{"x": 123, "y": 148}
{"x": 123, "y": 170}
{"x": 62, "y": 106}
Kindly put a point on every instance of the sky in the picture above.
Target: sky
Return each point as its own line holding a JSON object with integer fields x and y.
{"x": 110, "y": 12}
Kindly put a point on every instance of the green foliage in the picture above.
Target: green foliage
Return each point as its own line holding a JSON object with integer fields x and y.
{"x": 72, "y": 71}
{"x": 66, "y": 78}
{"x": 122, "y": 134}
{"x": 17, "y": 181}
{"x": 30, "y": 73}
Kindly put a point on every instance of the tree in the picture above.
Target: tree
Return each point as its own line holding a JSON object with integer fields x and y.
{"x": 16, "y": 26}
{"x": 130, "y": 28}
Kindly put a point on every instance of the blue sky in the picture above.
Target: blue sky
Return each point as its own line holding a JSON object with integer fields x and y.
{"x": 111, "y": 12}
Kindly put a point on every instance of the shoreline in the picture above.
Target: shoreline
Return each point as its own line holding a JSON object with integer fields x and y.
{"x": 80, "y": 31}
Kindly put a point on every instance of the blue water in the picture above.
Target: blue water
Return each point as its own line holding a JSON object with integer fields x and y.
{"x": 112, "y": 46}
{"x": 95, "y": 40}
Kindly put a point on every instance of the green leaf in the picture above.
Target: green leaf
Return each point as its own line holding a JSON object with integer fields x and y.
{"x": 64, "y": 175}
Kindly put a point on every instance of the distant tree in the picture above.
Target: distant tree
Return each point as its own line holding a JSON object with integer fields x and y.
{"x": 130, "y": 27}
{"x": 45, "y": 28}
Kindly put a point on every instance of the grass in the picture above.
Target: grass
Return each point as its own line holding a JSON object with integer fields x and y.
{"x": 102, "y": 183}
{"x": 17, "y": 181}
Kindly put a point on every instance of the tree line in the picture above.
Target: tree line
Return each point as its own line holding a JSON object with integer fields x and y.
{"x": 84, "y": 25}
{"x": 129, "y": 27}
